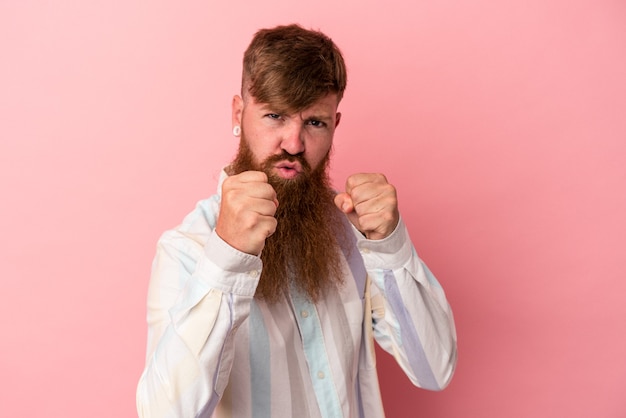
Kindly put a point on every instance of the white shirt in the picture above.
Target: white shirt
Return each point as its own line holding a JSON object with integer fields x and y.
{"x": 216, "y": 351}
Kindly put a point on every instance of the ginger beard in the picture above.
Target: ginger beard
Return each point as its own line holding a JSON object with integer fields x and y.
{"x": 304, "y": 248}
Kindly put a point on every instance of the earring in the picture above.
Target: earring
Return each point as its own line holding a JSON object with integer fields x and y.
{"x": 237, "y": 130}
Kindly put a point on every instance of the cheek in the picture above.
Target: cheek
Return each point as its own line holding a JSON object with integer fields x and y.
{"x": 258, "y": 142}
{"x": 319, "y": 153}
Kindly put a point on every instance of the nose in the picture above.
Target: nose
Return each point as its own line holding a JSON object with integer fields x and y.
{"x": 293, "y": 139}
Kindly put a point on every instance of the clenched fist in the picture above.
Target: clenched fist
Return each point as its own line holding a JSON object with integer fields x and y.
{"x": 371, "y": 204}
{"x": 247, "y": 211}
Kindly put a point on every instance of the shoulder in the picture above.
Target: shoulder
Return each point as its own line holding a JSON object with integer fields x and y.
{"x": 197, "y": 225}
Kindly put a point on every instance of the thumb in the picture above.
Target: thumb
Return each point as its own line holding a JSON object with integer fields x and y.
{"x": 344, "y": 202}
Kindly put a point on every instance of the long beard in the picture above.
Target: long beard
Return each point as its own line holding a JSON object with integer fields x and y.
{"x": 304, "y": 250}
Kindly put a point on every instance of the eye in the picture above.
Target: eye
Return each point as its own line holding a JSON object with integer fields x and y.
{"x": 273, "y": 116}
{"x": 316, "y": 123}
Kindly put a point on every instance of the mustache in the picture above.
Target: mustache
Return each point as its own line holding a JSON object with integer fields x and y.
{"x": 273, "y": 159}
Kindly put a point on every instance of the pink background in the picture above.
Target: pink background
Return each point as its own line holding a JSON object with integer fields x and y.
{"x": 502, "y": 125}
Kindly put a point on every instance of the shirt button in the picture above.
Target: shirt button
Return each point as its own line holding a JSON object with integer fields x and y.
{"x": 320, "y": 375}
{"x": 253, "y": 273}
{"x": 304, "y": 314}
{"x": 365, "y": 250}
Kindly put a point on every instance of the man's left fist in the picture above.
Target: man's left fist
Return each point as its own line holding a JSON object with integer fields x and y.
{"x": 371, "y": 204}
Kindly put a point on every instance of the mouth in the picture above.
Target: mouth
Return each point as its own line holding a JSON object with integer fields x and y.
{"x": 288, "y": 169}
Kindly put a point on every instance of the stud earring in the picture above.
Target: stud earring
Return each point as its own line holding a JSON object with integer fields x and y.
{"x": 237, "y": 130}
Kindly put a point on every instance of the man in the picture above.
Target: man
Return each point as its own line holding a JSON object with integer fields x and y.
{"x": 266, "y": 300}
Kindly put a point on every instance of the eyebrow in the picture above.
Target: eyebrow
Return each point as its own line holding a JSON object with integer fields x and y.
{"x": 319, "y": 116}
{"x": 323, "y": 116}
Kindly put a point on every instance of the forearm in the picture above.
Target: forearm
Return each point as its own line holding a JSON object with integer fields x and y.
{"x": 197, "y": 298}
{"x": 412, "y": 318}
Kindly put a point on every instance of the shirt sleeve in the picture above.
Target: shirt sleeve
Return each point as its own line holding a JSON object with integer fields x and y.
{"x": 411, "y": 317}
{"x": 199, "y": 294}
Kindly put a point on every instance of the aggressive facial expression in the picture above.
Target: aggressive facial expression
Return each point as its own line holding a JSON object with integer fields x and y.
{"x": 307, "y": 134}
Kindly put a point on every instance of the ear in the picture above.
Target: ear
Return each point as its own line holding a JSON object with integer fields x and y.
{"x": 237, "y": 110}
{"x": 337, "y": 118}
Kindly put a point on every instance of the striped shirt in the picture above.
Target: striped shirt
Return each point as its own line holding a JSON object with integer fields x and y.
{"x": 215, "y": 351}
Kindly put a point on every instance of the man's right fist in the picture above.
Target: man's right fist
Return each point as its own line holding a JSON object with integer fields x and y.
{"x": 247, "y": 211}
